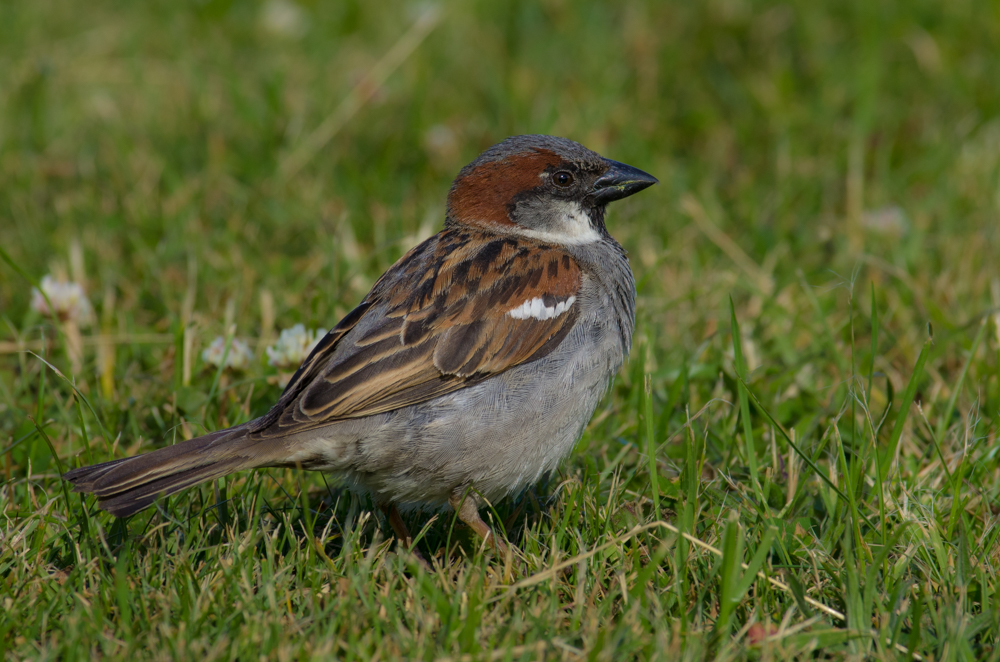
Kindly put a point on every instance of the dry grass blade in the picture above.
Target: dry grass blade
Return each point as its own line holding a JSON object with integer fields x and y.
{"x": 549, "y": 573}
{"x": 13, "y": 347}
{"x": 362, "y": 92}
{"x": 514, "y": 652}
{"x": 693, "y": 208}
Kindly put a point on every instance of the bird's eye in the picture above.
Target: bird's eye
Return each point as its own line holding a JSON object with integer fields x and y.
{"x": 562, "y": 179}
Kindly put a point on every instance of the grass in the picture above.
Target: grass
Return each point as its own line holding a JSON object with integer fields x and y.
{"x": 800, "y": 458}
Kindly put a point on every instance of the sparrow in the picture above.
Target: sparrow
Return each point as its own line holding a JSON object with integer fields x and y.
{"x": 468, "y": 371}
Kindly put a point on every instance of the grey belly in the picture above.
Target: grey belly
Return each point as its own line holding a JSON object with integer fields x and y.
{"x": 498, "y": 437}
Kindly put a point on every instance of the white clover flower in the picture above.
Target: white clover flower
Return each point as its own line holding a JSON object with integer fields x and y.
{"x": 68, "y": 299}
{"x": 239, "y": 356}
{"x": 889, "y": 220}
{"x": 293, "y": 346}
{"x": 283, "y": 18}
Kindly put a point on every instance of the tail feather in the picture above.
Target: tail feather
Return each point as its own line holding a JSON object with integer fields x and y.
{"x": 137, "y": 498}
{"x": 128, "y": 485}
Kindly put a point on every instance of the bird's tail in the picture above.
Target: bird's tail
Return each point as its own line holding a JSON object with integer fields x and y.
{"x": 126, "y": 486}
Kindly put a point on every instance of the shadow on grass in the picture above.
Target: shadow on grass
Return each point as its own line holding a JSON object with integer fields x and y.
{"x": 329, "y": 517}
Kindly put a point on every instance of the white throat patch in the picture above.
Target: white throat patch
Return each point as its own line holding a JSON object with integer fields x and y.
{"x": 536, "y": 309}
{"x": 572, "y": 229}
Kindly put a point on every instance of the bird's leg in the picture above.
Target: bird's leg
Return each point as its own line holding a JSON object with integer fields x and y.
{"x": 468, "y": 511}
{"x": 402, "y": 533}
{"x": 397, "y": 524}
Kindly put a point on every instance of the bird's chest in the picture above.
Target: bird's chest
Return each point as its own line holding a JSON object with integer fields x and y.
{"x": 504, "y": 433}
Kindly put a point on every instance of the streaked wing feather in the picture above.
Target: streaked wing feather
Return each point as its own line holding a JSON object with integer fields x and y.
{"x": 436, "y": 322}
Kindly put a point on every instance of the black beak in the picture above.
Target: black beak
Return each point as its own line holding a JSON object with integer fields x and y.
{"x": 620, "y": 181}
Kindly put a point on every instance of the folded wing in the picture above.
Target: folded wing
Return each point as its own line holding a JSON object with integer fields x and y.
{"x": 454, "y": 310}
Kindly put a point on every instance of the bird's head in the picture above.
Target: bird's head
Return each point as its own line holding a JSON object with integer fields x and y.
{"x": 547, "y": 188}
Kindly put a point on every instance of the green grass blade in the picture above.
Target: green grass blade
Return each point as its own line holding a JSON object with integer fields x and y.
{"x": 654, "y": 478}
{"x": 756, "y": 563}
{"x": 730, "y": 568}
{"x": 885, "y": 461}
{"x": 79, "y": 394}
{"x": 798, "y": 451}
{"x": 741, "y": 374}
{"x": 852, "y": 503}
{"x": 874, "y": 347}
{"x": 945, "y": 416}
{"x": 55, "y": 456}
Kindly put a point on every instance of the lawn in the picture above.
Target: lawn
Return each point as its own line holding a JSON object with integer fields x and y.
{"x": 799, "y": 459}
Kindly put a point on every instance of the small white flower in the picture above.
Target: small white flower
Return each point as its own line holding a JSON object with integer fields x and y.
{"x": 293, "y": 346}
{"x": 284, "y": 18}
{"x": 68, "y": 299}
{"x": 889, "y": 220}
{"x": 239, "y": 356}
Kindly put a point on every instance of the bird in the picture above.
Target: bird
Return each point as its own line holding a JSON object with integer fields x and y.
{"x": 470, "y": 369}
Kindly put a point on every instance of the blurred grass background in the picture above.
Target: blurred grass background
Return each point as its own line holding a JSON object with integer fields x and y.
{"x": 199, "y": 165}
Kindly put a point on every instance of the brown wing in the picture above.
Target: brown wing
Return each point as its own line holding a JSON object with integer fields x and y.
{"x": 454, "y": 310}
